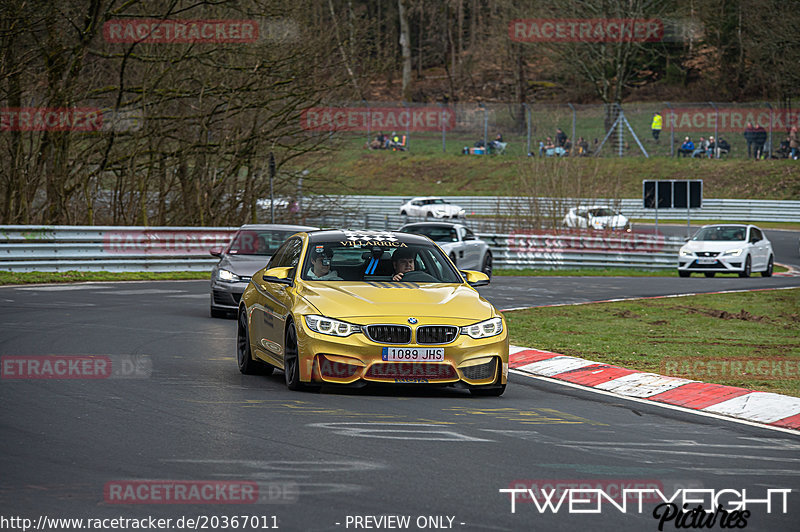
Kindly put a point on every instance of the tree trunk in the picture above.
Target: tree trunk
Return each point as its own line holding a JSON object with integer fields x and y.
{"x": 405, "y": 48}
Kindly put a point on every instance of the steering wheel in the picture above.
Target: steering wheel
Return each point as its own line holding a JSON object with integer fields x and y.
{"x": 416, "y": 275}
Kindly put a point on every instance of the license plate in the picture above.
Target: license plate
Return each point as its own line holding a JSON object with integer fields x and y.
{"x": 706, "y": 261}
{"x": 413, "y": 354}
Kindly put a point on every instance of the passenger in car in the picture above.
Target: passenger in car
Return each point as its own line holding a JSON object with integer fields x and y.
{"x": 321, "y": 266}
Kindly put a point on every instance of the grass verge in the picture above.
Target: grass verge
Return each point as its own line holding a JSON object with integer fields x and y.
{"x": 750, "y": 340}
{"x": 77, "y": 277}
{"x": 604, "y": 272}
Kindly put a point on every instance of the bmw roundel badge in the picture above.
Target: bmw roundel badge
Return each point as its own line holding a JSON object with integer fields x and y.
{"x": 412, "y": 321}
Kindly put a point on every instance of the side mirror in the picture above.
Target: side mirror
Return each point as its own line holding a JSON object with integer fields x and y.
{"x": 474, "y": 278}
{"x": 215, "y": 252}
{"x": 278, "y": 275}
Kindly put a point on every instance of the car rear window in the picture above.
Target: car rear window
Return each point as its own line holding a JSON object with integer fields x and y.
{"x": 253, "y": 242}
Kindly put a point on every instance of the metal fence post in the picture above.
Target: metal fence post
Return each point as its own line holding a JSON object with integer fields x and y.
{"x": 485, "y": 125}
{"x": 671, "y": 118}
{"x": 573, "y": 123}
{"x": 769, "y": 142}
{"x": 528, "y": 125}
{"x": 369, "y": 121}
{"x": 441, "y": 118}
{"x": 716, "y": 126}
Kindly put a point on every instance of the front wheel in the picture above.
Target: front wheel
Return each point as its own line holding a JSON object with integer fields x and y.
{"x": 747, "y": 268}
{"x": 770, "y": 267}
{"x": 710, "y": 274}
{"x": 291, "y": 359}
{"x": 684, "y": 273}
{"x": 244, "y": 357}
{"x": 487, "y": 265}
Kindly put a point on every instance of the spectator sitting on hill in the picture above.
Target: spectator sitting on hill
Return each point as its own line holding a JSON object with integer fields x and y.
{"x": 687, "y": 147}
{"x": 701, "y": 148}
{"x": 721, "y": 147}
{"x": 497, "y": 145}
{"x": 784, "y": 150}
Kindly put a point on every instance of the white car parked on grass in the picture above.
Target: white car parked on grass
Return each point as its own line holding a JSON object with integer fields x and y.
{"x": 727, "y": 248}
{"x": 467, "y": 251}
{"x": 431, "y": 207}
{"x": 596, "y": 217}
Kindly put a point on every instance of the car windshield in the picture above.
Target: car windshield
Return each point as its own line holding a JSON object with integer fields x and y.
{"x": 436, "y": 233}
{"x": 722, "y": 233}
{"x": 602, "y": 211}
{"x": 437, "y": 201}
{"x": 376, "y": 262}
{"x": 255, "y": 242}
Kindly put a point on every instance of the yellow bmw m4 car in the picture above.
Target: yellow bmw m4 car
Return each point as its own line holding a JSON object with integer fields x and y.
{"x": 351, "y": 307}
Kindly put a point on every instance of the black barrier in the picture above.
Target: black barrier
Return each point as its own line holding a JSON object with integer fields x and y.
{"x": 673, "y": 194}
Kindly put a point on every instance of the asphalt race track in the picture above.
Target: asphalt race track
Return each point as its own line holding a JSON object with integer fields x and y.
{"x": 352, "y": 459}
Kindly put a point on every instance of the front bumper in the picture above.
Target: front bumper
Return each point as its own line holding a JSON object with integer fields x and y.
{"x": 226, "y": 296}
{"x": 352, "y": 359}
{"x": 711, "y": 264}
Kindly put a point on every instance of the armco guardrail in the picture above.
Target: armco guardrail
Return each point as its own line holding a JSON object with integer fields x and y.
{"x": 713, "y": 209}
{"x": 109, "y": 248}
{"x": 115, "y": 249}
{"x": 544, "y": 250}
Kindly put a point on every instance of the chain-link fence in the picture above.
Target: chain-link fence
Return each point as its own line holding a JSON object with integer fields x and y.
{"x": 736, "y": 129}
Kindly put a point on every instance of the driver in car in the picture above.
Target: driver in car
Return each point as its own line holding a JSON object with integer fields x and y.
{"x": 403, "y": 261}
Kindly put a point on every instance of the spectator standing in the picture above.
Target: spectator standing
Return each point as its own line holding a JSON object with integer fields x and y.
{"x": 657, "y": 124}
{"x": 687, "y": 148}
{"x": 759, "y": 139}
{"x": 561, "y": 137}
{"x": 748, "y": 137}
{"x": 583, "y": 147}
{"x": 794, "y": 143}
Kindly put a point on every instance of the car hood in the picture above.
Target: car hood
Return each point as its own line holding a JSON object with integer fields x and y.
{"x": 713, "y": 245}
{"x": 354, "y": 300}
{"x": 243, "y": 265}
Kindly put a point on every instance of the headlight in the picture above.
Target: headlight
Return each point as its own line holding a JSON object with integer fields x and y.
{"x": 330, "y": 326}
{"x": 686, "y": 253}
{"x": 227, "y": 276}
{"x": 733, "y": 253}
{"x": 484, "y": 329}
